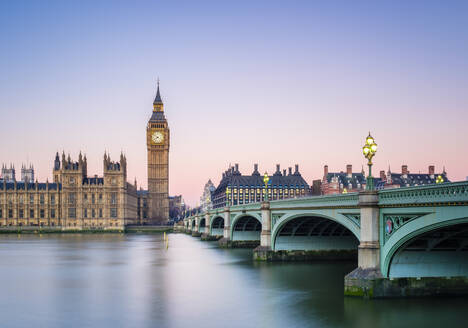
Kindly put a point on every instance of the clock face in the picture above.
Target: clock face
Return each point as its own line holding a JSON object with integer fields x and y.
{"x": 157, "y": 137}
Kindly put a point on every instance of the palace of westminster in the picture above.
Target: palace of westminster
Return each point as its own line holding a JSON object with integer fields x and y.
{"x": 75, "y": 200}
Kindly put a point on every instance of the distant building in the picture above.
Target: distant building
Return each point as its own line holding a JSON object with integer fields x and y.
{"x": 339, "y": 182}
{"x": 247, "y": 189}
{"x": 8, "y": 173}
{"x": 407, "y": 179}
{"x": 27, "y": 173}
{"x": 143, "y": 204}
{"x": 316, "y": 188}
{"x": 206, "y": 201}
{"x": 176, "y": 207}
{"x": 73, "y": 200}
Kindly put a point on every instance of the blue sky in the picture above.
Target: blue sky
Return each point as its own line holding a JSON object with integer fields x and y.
{"x": 248, "y": 81}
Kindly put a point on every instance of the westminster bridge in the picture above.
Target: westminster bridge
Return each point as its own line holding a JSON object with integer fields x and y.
{"x": 408, "y": 241}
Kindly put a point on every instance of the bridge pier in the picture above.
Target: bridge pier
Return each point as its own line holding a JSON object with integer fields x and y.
{"x": 263, "y": 252}
{"x": 363, "y": 281}
{"x": 206, "y": 236}
{"x": 225, "y": 242}
{"x": 196, "y": 231}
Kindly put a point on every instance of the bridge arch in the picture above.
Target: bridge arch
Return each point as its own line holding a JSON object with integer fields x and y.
{"x": 246, "y": 227}
{"x": 427, "y": 247}
{"x": 217, "y": 225}
{"x": 313, "y": 230}
{"x": 202, "y": 225}
{"x": 193, "y": 224}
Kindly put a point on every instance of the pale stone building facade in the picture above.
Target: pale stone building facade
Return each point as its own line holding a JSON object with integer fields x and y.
{"x": 76, "y": 201}
{"x": 73, "y": 200}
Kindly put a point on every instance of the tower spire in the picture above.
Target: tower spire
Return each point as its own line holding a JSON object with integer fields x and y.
{"x": 157, "y": 100}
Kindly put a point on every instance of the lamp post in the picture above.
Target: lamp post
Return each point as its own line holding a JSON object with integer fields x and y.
{"x": 228, "y": 193}
{"x": 369, "y": 149}
{"x": 265, "y": 181}
{"x": 439, "y": 179}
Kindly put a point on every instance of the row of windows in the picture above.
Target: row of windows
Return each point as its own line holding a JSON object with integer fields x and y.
{"x": 239, "y": 199}
{"x": 72, "y": 198}
{"x": 92, "y": 213}
{"x": 276, "y": 195}
{"x": 21, "y": 199}
{"x": 53, "y": 224}
{"x": 32, "y": 213}
{"x": 93, "y": 198}
{"x": 29, "y": 224}
{"x": 261, "y": 191}
{"x": 90, "y": 225}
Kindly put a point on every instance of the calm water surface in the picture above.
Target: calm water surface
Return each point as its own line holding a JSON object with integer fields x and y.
{"x": 112, "y": 280}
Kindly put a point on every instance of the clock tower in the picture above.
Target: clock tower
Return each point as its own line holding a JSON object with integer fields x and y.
{"x": 157, "y": 141}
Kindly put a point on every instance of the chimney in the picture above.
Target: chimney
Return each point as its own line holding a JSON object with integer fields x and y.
{"x": 404, "y": 169}
{"x": 290, "y": 170}
{"x": 349, "y": 170}
{"x": 325, "y": 170}
{"x": 237, "y": 167}
{"x": 431, "y": 169}
{"x": 296, "y": 169}
{"x": 278, "y": 168}
{"x": 255, "y": 172}
{"x": 383, "y": 176}
{"x": 284, "y": 172}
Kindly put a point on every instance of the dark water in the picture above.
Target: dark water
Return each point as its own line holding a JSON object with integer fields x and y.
{"x": 114, "y": 280}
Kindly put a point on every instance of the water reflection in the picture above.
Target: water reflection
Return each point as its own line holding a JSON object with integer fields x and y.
{"x": 112, "y": 280}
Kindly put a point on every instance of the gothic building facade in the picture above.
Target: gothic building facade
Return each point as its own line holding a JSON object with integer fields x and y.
{"x": 76, "y": 201}
{"x": 206, "y": 199}
{"x": 73, "y": 201}
{"x": 157, "y": 142}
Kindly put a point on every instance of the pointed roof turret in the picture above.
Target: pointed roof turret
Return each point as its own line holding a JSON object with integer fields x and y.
{"x": 157, "y": 99}
{"x": 158, "y": 108}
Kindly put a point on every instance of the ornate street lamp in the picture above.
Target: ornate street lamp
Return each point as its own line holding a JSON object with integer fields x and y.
{"x": 369, "y": 149}
{"x": 440, "y": 179}
{"x": 228, "y": 193}
{"x": 265, "y": 181}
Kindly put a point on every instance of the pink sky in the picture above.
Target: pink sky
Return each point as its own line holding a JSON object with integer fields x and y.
{"x": 241, "y": 83}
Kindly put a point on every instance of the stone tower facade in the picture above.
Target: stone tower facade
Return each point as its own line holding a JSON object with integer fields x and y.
{"x": 157, "y": 141}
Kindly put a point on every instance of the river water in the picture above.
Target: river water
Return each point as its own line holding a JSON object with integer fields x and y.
{"x": 112, "y": 280}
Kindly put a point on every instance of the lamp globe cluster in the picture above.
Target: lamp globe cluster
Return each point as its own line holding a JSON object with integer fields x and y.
{"x": 369, "y": 149}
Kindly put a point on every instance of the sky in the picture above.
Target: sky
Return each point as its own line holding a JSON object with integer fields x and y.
{"x": 267, "y": 82}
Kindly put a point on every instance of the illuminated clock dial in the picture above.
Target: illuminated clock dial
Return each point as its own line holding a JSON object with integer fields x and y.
{"x": 157, "y": 137}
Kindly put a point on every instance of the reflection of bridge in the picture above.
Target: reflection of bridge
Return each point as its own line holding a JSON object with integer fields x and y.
{"x": 408, "y": 241}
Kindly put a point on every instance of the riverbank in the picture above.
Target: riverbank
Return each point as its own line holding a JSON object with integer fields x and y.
{"x": 51, "y": 230}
